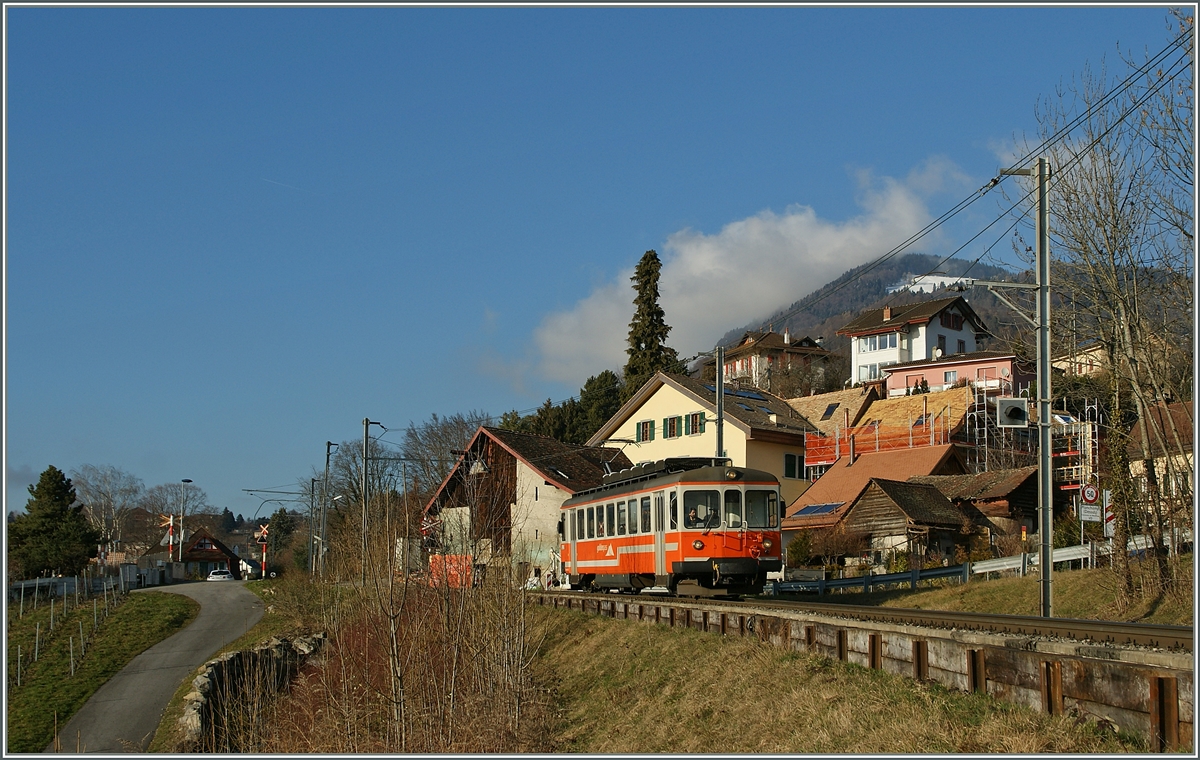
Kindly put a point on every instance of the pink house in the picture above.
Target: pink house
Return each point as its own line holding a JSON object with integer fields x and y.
{"x": 993, "y": 370}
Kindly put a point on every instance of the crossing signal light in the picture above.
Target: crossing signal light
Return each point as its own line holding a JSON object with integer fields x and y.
{"x": 1012, "y": 412}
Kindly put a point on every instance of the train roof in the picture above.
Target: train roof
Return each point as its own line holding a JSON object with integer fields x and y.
{"x": 667, "y": 472}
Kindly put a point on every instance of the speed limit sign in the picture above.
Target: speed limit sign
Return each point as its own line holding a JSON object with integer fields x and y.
{"x": 1090, "y": 494}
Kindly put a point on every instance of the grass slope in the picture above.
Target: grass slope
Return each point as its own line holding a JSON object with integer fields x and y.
{"x": 625, "y": 686}
{"x": 48, "y": 692}
{"x": 1084, "y": 594}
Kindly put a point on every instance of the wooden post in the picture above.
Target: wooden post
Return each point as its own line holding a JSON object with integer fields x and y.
{"x": 1164, "y": 714}
{"x": 1052, "y": 693}
{"x": 842, "y": 644}
{"x": 810, "y": 638}
{"x": 976, "y": 671}
{"x": 920, "y": 659}
{"x": 875, "y": 651}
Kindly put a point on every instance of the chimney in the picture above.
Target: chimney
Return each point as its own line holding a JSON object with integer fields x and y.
{"x": 887, "y": 313}
{"x": 853, "y": 454}
{"x": 787, "y": 336}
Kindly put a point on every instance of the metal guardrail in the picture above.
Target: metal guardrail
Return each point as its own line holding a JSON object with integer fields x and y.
{"x": 1021, "y": 562}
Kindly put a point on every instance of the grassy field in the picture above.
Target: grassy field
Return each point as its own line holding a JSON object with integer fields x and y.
{"x": 624, "y": 686}
{"x": 49, "y": 694}
{"x": 1085, "y": 594}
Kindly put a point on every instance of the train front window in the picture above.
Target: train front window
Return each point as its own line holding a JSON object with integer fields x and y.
{"x": 620, "y": 518}
{"x": 701, "y": 509}
{"x": 762, "y": 509}
{"x": 674, "y": 511}
{"x": 733, "y": 508}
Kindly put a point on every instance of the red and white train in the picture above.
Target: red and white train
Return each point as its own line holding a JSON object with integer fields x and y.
{"x": 686, "y": 526}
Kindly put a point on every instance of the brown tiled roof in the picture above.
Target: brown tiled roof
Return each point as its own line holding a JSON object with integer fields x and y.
{"x": 1181, "y": 414}
{"x": 575, "y": 468}
{"x": 986, "y": 486}
{"x": 754, "y": 342}
{"x": 923, "y": 504}
{"x": 901, "y": 411}
{"x": 911, "y": 314}
{"x": 813, "y": 408}
{"x": 757, "y": 416}
{"x": 843, "y": 482}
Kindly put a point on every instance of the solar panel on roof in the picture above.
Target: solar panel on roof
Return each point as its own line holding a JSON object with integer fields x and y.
{"x": 747, "y": 407}
{"x": 750, "y": 395}
{"x": 819, "y": 509}
{"x": 765, "y": 410}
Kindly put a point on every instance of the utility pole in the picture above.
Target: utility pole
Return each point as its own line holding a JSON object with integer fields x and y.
{"x": 367, "y": 423}
{"x": 312, "y": 508}
{"x": 325, "y": 503}
{"x": 1044, "y": 395}
{"x": 720, "y": 401}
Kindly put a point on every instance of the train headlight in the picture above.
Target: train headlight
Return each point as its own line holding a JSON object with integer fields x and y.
{"x": 697, "y": 544}
{"x": 731, "y": 474}
{"x": 768, "y": 543}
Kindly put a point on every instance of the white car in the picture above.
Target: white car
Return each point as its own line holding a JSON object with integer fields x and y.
{"x": 220, "y": 575}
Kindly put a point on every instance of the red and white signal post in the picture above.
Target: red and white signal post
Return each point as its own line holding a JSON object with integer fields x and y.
{"x": 262, "y": 540}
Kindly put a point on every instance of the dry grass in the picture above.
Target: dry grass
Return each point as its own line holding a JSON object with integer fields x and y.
{"x": 1084, "y": 594}
{"x": 625, "y": 686}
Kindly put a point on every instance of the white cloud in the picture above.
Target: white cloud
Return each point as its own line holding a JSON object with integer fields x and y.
{"x": 744, "y": 272}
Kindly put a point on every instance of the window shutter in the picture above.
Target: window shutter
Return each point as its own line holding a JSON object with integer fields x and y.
{"x": 701, "y": 422}
{"x": 687, "y": 425}
{"x": 679, "y": 426}
{"x": 651, "y": 430}
{"x": 637, "y": 432}
{"x": 666, "y": 427}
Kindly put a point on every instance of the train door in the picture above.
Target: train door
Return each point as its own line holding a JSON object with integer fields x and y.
{"x": 660, "y": 539}
{"x": 574, "y": 527}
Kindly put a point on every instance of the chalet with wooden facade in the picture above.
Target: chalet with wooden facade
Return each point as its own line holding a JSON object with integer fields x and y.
{"x": 1007, "y": 498}
{"x": 502, "y": 498}
{"x": 907, "y": 518}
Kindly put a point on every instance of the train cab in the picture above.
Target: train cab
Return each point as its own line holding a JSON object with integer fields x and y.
{"x": 682, "y": 526}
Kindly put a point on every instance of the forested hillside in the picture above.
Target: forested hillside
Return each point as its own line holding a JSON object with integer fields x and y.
{"x": 822, "y": 312}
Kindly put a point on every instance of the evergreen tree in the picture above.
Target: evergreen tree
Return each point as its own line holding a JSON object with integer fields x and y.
{"x": 279, "y": 534}
{"x": 53, "y": 535}
{"x": 599, "y": 400}
{"x": 228, "y": 521}
{"x": 648, "y": 351}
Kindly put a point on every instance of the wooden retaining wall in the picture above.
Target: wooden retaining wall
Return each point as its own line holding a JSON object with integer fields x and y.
{"x": 1147, "y": 691}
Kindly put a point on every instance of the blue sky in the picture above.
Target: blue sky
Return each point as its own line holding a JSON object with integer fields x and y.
{"x": 232, "y": 233}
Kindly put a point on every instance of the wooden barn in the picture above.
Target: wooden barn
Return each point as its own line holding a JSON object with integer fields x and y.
{"x": 908, "y": 518}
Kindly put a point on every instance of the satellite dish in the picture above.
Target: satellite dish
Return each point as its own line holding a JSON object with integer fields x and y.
{"x": 937, "y": 353}
{"x": 1004, "y": 372}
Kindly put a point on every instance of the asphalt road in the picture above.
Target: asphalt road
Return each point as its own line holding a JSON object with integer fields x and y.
{"x": 122, "y": 716}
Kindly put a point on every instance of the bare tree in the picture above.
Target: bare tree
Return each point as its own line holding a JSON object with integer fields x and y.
{"x": 1122, "y": 235}
{"x": 429, "y": 447}
{"x": 108, "y": 493}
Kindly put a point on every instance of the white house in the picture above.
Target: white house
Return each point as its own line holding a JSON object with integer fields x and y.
{"x": 901, "y": 334}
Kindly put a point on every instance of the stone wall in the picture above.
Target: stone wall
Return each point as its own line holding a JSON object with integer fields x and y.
{"x": 227, "y": 697}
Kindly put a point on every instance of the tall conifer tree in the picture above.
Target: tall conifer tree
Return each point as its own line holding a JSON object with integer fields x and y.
{"x": 648, "y": 350}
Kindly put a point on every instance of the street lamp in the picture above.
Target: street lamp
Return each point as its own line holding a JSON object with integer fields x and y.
{"x": 182, "y": 498}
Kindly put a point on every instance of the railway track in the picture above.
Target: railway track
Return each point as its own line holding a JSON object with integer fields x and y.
{"x": 1167, "y": 637}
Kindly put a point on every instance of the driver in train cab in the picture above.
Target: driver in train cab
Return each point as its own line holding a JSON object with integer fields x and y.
{"x": 692, "y": 520}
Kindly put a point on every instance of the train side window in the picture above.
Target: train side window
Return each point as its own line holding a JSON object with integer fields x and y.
{"x": 733, "y": 508}
{"x": 620, "y": 518}
{"x": 591, "y": 518}
{"x": 645, "y": 514}
{"x": 612, "y": 519}
{"x": 633, "y": 516}
{"x": 674, "y": 511}
{"x": 600, "y": 521}
{"x": 579, "y": 523}
{"x": 772, "y": 510}
{"x": 701, "y": 509}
